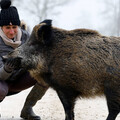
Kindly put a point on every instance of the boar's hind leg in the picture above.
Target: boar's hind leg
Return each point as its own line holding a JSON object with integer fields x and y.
{"x": 67, "y": 98}
{"x": 113, "y": 102}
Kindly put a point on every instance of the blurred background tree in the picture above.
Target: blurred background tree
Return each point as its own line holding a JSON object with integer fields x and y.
{"x": 40, "y": 8}
{"x": 101, "y": 15}
{"x": 111, "y": 15}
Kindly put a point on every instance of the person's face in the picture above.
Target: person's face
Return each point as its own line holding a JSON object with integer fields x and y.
{"x": 10, "y": 31}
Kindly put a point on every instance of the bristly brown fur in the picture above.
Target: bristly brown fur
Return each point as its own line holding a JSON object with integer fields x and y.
{"x": 86, "y": 31}
{"x": 76, "y": 63}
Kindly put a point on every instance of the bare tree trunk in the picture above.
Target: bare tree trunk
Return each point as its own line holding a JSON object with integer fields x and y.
{"x": 41, "y": 8}
{"x": 112, "y": 11}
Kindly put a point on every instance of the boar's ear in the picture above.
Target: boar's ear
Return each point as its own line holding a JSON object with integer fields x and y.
{"x": 47, "y": 21}
{"x": 45, "y": 31}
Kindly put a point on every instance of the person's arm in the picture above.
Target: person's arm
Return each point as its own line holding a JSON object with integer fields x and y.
{"x": 6, "y": 69}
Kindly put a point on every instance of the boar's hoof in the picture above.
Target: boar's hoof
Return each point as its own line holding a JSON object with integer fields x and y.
{"x": 34, "y": 118}
{"x": 27, "y": 113}
{"x": 29, "y": 117}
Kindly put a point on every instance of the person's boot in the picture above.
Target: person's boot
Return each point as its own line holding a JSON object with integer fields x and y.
{"x": 35, "y": 94}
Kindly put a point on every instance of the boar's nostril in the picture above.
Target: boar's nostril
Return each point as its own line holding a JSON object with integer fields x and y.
{"x": 18, "y": 60}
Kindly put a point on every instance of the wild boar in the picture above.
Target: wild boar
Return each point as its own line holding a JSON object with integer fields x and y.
{"x": 75, "y": 63}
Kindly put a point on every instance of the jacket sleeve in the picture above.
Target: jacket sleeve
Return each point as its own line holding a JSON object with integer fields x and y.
{"x": 3, "y": 74}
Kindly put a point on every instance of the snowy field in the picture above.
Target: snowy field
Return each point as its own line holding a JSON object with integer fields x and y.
{"x": 50, "y": 107}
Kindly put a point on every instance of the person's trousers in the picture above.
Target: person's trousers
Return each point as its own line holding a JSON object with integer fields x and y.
{"x": 12, "y": 87}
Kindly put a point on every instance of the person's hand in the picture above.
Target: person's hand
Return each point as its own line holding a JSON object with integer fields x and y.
{"x": 9, "y": 65}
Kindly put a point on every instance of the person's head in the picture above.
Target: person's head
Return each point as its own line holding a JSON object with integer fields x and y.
{"x": 9, "y": 19}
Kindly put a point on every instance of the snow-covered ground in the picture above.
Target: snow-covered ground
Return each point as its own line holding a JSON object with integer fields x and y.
{"x": 50, "y": 107}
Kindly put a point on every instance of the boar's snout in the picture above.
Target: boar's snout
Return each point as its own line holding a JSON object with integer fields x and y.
{"x": 17, "y": 61}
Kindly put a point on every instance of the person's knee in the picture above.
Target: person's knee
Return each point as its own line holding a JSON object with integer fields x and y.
{"x": 3, "y": 91}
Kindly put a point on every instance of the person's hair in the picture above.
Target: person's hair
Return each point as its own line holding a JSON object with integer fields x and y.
{"x": 23, "y": 25}
{"x": 9, "y": 14}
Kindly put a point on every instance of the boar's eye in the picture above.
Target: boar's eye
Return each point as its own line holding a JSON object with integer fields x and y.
{"x": 45, "y": 33}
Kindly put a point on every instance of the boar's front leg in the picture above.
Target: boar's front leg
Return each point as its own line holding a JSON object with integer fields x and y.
{"x": 113, "y": 101}
{"x": 112, "y": 115}
{"x": 67, "y": 98}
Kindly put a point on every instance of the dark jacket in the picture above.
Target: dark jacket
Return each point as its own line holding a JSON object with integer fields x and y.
{"x": 4, "y": 50}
